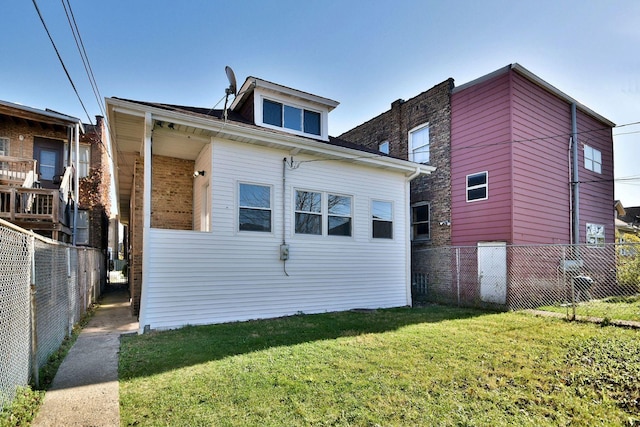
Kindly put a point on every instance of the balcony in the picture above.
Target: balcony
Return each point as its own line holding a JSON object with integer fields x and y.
{"x": 38, "y": 209}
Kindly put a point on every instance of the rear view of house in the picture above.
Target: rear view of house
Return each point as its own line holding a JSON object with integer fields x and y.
{"x": 255, "y": 212}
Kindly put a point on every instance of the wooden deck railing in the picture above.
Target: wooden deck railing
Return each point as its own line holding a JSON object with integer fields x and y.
{"x": 15, "y": 171}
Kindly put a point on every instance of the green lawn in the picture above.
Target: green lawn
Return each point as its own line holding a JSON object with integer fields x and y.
{"x": 612, "y": 308}
{"x": 428, "y": 366}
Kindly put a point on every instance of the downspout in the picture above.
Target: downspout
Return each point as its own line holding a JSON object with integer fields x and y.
{"x": 575, "y": 179}
{"x": 146, "y": 222}
{"x": 76, "y": 183}
{"x": 407, "y": 193}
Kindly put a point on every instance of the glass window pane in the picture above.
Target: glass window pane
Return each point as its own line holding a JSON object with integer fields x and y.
{"x": 477, "y": 193}
{"x": 255, "y": 220}
{"x": 308, "y": 201}
{"x": 421, "y": 229}
{"x": 477, "y": 179}
{"x": 292, "y": 117}
{"x": 382, "y": 229}
{"x": 339, "y": 205}
{"x": 384, "y": 147}
{"x": 308, "y": 223}
{"x": 381, "y": 210}
{"x": 421, "y": 213}
{"x": 339, "y": 226}
{"x": 255, "y": 196}
{"x": 272, "y": 113}
{"x": 311, "y": 122}
{"x": 48, "y": 161}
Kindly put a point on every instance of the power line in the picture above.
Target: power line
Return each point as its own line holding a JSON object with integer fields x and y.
{"x": 64, "y": 67}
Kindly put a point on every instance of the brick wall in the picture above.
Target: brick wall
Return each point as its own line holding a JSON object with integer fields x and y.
{"x": 434, "y": 107}
{"x": 172, "y": 193}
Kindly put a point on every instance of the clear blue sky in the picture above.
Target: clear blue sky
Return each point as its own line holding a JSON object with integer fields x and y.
{"x": 364, "y": 54}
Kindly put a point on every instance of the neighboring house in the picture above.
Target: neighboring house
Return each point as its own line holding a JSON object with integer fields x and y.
{"x": 256, "y": 212}
{"x": 627, "y": 221}
{"x": 38, "y": 188}
{"x": 526, "y": 163}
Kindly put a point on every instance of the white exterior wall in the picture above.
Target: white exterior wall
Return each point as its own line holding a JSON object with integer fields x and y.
{"x": 226, "y": 275}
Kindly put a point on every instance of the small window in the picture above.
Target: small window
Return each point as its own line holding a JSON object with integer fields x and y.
{"x": 254, "y": 208}
{"x": 592, "y": 159}
{"x": 382, "y": 219}
{"x": 419, "y": 144}
{"x": 82, "y": 228}
{"x": 4, "y": 151}
{"x": 477, "y": 186}
{"x": 290, "y": 117}
{"x": 384, "y": 147}
{"x": 308, "y": 212}
{"x": 420, "y": 221}
{"x": 339, "y": 215}
{"x": 595, "y": 235}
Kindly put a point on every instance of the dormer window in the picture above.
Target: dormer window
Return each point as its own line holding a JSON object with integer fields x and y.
{"x": 274, "y": 106}
{"x": 290, "y": 117}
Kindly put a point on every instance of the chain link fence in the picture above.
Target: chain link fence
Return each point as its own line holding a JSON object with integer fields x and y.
{"x": 576, "y": 280}
{"x": 45, "y": 288}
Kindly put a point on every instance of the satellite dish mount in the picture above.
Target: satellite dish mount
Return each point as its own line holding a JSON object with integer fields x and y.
{"x": 231, "y": 90}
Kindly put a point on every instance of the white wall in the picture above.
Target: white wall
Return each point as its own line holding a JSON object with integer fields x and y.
{"x": 226, "y": 275}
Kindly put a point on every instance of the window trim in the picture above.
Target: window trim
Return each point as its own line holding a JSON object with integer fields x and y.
{"x": 414, "y": 236}
{"x": 590, "y": 160}
{"x": 372, "y": 220}
{"x": 239, "y": 206}
{"x": 475, "y": 187}
{"x": 412, "y": 149}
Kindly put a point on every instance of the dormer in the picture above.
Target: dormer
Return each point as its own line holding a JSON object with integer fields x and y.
{"x": 273, "y": 106}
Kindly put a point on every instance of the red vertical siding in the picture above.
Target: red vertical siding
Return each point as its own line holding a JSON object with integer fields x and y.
{"x": 541, "y": 125}
{"x": 480, "y": 136}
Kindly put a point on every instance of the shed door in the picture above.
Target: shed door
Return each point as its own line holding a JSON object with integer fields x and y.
{"x": 492, "y": 271}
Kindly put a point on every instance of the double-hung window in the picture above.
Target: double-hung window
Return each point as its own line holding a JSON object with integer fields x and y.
{"x": 478, "y": 186}
{"x": 382, "y": 219}
{"x": 254, "y": 208}
{"x": 419, "y": 144}
{"x": 290, "y": 117}
{"x": 312, "y": 216}
{"x": 83, "y": 164}
{"x": 308, "y": 212}
{"x": 420, "y": 221}
{"x": 82, "y": 228}
{"x": 339, "y": 215}
{"x": 592, "y": 159}
{"x": 4, "y": 151}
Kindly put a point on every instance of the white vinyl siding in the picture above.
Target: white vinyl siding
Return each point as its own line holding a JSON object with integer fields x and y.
{"x": 227, "y": 275}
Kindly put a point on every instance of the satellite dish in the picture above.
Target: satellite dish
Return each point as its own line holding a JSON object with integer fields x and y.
{"x": 232, "y": 89}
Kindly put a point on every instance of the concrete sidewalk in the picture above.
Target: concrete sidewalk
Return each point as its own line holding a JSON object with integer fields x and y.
{"x": 85, "y": 389}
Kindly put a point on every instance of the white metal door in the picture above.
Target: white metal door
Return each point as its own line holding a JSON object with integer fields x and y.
{"x": 492, "y": 271}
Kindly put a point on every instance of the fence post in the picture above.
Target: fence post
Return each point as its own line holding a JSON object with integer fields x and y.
{"x": 34, "y": 326}
{"x": 458, "y": 274}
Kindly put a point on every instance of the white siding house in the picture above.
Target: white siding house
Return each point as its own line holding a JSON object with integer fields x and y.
{"x": 340, "y": 215}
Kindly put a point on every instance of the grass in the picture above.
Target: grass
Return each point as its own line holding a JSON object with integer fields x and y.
{"x": 429, "y": 366}
{"x": 612, "y": 308}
